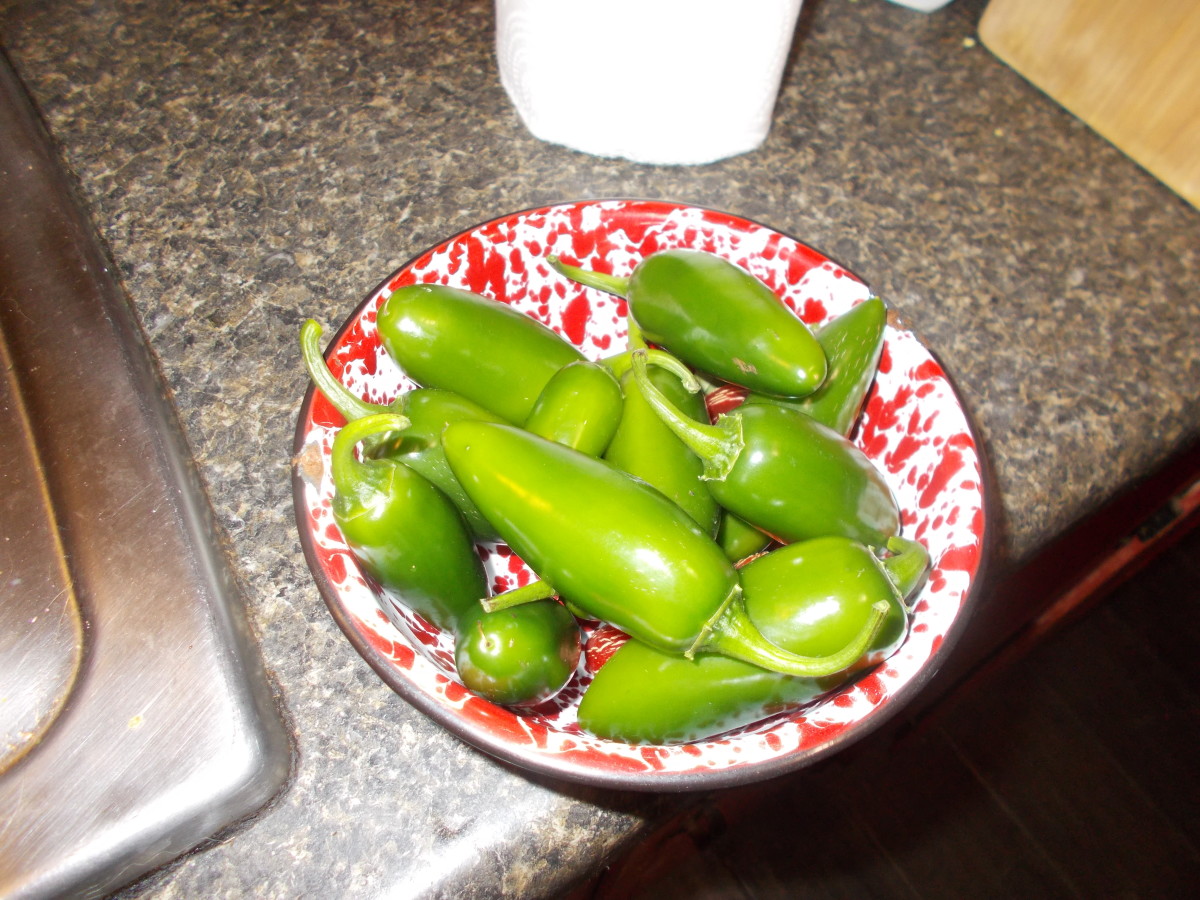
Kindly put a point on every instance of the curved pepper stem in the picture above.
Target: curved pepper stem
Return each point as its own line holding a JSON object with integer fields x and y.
{"x": 350, "y": 406}
{"x": 347, "y": 471}
{"x": 623, "y": 362}
{"x": 906, "y": 566}
{"x": 610, "y": 284}
{"x": 529, "y": 593}
{"x": 526, "y": 593}
{"x": 734, "y": 635}
{"x": 718, "y": 446}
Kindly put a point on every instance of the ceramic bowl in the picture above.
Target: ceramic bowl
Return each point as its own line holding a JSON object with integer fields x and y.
{"x": 913, "y": 427}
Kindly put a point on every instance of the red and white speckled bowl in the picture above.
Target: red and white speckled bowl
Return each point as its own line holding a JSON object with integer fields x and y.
{"x": 913, "y": 427}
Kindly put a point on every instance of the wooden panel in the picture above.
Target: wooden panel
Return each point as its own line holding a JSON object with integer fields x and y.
{"x": 1151, "y": 629}
{"x": 1129, "y": 68}
{"x": 1029, "y": 745}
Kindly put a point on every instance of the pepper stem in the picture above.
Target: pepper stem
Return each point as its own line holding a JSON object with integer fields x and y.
{"x": 635, "y": 340}
{"x": 907, "y": 565}
{"x": 623, "y": 362}
{"x": 718, "y": 446}
{"x": 610, "y": 284}
{"x": 526, "y": 593}
{"x": 735, "y": 636}
{"x": 350, "y": 406}
{"x": 346, "y": 470}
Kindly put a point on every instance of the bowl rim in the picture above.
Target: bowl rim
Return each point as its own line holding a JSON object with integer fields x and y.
{"x": 653, "y": 780}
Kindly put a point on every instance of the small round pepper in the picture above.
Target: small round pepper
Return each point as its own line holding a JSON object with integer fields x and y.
{"x": 813, "y": 596}
{"x": 520, "y": 656}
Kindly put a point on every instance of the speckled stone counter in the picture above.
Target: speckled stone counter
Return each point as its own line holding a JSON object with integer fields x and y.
{"x": 251, "y": 164}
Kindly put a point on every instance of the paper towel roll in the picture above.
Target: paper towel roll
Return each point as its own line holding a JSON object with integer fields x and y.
{"x": 922, "y": 5}
{"x": 657, "y": 81}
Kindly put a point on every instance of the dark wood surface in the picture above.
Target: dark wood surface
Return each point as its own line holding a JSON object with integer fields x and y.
{"x": 1073, "y": 773}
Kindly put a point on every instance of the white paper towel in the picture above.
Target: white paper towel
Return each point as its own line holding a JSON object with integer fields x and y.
{"x": 922, "y": 5}
{"x": 656, "y": 81}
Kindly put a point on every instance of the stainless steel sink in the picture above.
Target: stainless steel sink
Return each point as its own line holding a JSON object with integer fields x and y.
{"x": 135, "y": 718}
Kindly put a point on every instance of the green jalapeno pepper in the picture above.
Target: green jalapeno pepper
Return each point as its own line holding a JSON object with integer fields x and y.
{"x": 520, "y": 656}
{"x": 804, "y": 597}
{"x": 853, "y": 344}
{"x": 813, "y": 596}
{"x": 645, "y": 447}
{"x": 645, "y": 696}
{"x": 580, "y": 406}
{"x": 405, "y": 532}
{"x": 617, "y": 548}
{"x": 784, "y": 472}
{"x": 419, "y": 446}
{"x": 738, "y": 538}
{"x": 478, "y": 348}
{"x": 717, "y": 317}
{"x": 642, "y": 446}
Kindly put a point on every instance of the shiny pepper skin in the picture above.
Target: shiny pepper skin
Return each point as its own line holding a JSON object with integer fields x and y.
{"x": 785, "y": 473}
{"x": 717, "y": 317}
{"x": 478, "y": 348}
{"x": 645, "y": 447}
{"x": 853, "y": 344}
{"x": 520, "y": 656}
{"x": 580, "y": 407}
{"x": 805, "y": 597}
{"x": 406, "y": 533}
{"x": 419, "y": 446}
{"x": 617, "y": 548}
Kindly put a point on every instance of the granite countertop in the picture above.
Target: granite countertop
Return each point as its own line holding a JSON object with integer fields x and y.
{"x": 252, "y": 164}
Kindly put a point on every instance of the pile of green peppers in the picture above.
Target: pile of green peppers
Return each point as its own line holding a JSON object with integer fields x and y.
{"x": 755, "y": 562}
